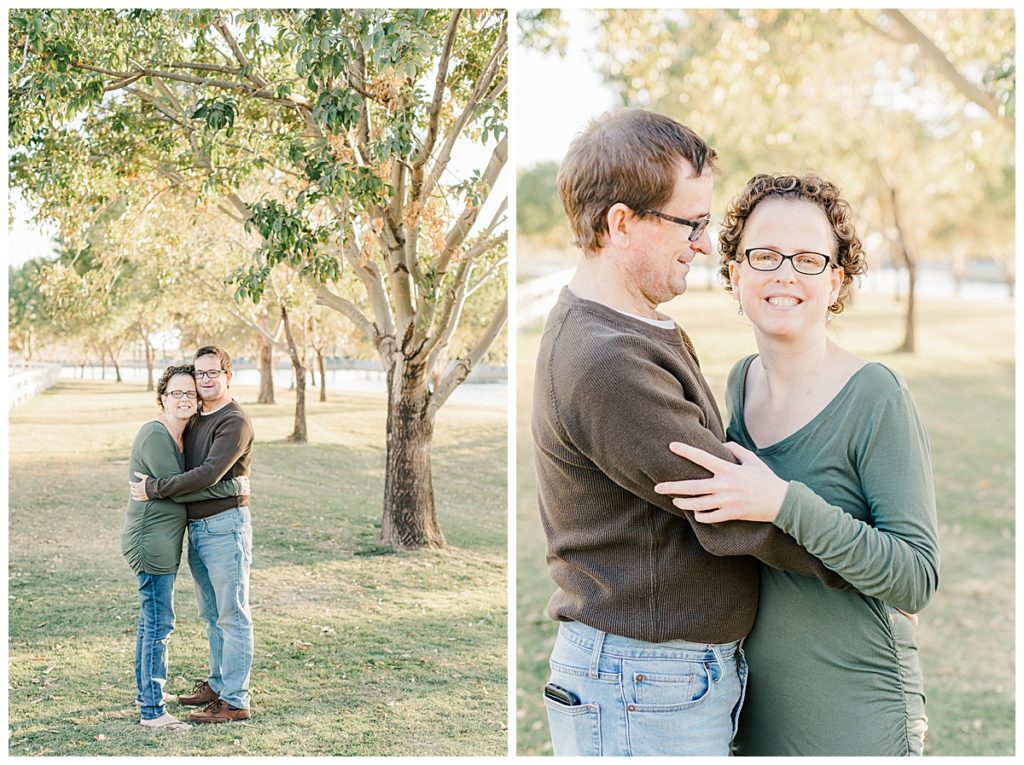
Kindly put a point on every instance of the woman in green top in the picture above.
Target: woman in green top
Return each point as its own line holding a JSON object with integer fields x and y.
{"x": 152, "y": 535}
{"x": 832, "y": 451}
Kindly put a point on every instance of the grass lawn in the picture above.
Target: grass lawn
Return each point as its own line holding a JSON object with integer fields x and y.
{"x": 962, "y": 381}
{"x": 359, "y": 651}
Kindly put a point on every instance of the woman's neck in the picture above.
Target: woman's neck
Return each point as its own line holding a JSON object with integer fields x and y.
{"x": 790, "y": 365}
{"x": 175, "y": 426}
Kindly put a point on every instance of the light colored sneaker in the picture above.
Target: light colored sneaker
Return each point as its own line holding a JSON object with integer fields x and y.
{"x": 166, "y": 722}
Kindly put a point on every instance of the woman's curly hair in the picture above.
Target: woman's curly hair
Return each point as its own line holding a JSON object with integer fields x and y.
{"x": 809, "y": 188}
{"x": 161, "y": 386}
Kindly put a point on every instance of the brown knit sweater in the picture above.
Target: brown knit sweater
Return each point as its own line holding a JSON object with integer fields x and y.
{"x": 610, "y": 393}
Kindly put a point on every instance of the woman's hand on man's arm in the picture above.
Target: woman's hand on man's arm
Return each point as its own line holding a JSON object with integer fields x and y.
{"x": 748, "y": 491}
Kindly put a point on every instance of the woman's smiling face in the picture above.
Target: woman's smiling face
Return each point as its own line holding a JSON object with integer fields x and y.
{"x": 785, "y": 302}
{"x": 184, "y": 407}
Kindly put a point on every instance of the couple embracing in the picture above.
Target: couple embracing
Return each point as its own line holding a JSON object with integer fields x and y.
{"x": 750, "y": 589}
{"x": 190, "y": 467}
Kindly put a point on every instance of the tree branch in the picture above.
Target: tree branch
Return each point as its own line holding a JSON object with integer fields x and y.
{"x": 967, "y": 88}
{"x": 435, "y": 106}
{"x": 464, "y": 366}
{"x": 240, "y": 56}
{"x": 348, "y": 309}
{"x": 458, "y": 232}
{"x": 482, "y": 86}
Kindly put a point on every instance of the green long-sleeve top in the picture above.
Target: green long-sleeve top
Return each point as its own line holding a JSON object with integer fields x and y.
{"x": 837, "y": 673}
{"x": 153, "y": 530}
{"x": 877, "y": 527}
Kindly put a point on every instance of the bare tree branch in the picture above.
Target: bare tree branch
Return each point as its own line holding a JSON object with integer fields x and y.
{"x": 482, "y": 86}
{"x": 948, "y": 69}
{"x": 347, "y": 308}
{"x": 246, "y": 67}
{"x": 458, "y": 232}
{"x": 435, "y": 106}
{"x": 463, "y": 367}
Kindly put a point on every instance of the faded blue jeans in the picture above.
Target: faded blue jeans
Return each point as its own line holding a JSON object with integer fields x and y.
{"x": 219, "y": 556}
{"x": 156, "y": 623}
{"x": 639, "y": 698}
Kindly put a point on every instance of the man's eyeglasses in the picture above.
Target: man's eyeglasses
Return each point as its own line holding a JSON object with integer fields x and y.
{"x": 213, "y": 374}
{"x": 189, "y": 394}
{"x": 767, "y": 259}
{"x": 698, "y": 225}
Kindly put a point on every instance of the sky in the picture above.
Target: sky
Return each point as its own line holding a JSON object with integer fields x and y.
{"x": 556, "y": 97}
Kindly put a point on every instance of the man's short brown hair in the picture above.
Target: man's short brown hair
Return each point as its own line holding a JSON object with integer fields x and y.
{"x": 629, "y": 156}
{"x": 220, "y": 353}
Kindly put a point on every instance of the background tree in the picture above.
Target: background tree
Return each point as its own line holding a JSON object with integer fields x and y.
{"x": 367, "y": 123}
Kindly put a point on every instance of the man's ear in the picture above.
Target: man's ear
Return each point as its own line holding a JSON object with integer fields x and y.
{"x": 620, "y": 219}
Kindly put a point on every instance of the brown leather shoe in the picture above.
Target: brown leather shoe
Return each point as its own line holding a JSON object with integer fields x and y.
{"x": 219, "y": 711}
{"x": 201, "y": 694}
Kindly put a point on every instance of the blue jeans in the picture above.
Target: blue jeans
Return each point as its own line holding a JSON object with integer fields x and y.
{"x": 639, "y": 698}
{"x": 156, "y": 623}
{"x": 219, "y": 555}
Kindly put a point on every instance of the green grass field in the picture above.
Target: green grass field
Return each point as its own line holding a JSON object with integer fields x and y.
{"x": 359, "y": 651}
{"x": 962, "y": 380}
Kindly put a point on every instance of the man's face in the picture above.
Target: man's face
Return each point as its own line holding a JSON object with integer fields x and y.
{"x": 660, "y": 251}
{"x": 211, "y": 390}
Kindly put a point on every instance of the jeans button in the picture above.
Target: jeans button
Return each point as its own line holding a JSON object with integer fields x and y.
{"x": 639, "y": 678}
{"x": 631, "y": 708}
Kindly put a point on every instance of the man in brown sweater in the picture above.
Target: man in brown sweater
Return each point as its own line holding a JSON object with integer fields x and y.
{"x": 654, "y": 604}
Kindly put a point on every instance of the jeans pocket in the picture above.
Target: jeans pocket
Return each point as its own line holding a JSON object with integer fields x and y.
{"x": 575, "y": 730}
{"x": 223, "y": 524}
{"x": 667, "y": 686}
{"x": 677, "y": 712}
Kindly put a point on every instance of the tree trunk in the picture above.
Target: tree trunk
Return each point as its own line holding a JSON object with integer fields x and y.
{"x": 266, "y": 395}
{"x": 150, "y": 361}
{"x": 959, "y": 270}
{"x": 908, "y": 262}
{"x": 323, "y": 378}
{"x": 150, "y": 357}
{"x": 298, "y": 435}
{"x": 103, "y": 364}
{"x": 114, "y": 353}
{"x": 410, "y": 520}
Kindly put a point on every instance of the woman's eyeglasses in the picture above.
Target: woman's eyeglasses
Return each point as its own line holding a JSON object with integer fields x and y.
{"x": 189, "y": 394}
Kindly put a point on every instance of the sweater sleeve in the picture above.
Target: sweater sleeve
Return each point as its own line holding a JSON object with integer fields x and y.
{"x": 229, "y": 442}
{"x": 629, "y": 408}
{"x": 231, "y": 487}
{"x": 895, "y": 558}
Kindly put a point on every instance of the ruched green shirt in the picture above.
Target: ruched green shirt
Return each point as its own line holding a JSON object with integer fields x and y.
{"x": 837, "y": 672}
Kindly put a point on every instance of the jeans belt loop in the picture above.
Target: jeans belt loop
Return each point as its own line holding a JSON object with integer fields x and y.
{"x": 721, "y": 662}
{"x": 595, "y": 657}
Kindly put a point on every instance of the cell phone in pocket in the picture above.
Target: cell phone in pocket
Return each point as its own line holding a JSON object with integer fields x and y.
{"x": 560, "y": 695}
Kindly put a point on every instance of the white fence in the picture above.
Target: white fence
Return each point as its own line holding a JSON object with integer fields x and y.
{"x": 534, "y": 298}
{"x": 26, "y": 380}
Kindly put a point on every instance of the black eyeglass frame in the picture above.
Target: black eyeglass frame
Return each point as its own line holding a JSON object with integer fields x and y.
{"x": 212, "y": 374}
{"x": 698, "y": 225}
{"x": 790, "y": 258}
{"x": 191, "y": 395}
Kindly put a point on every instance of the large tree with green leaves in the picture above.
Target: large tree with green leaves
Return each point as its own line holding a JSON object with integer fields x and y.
{"x": 380, "y": 132}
